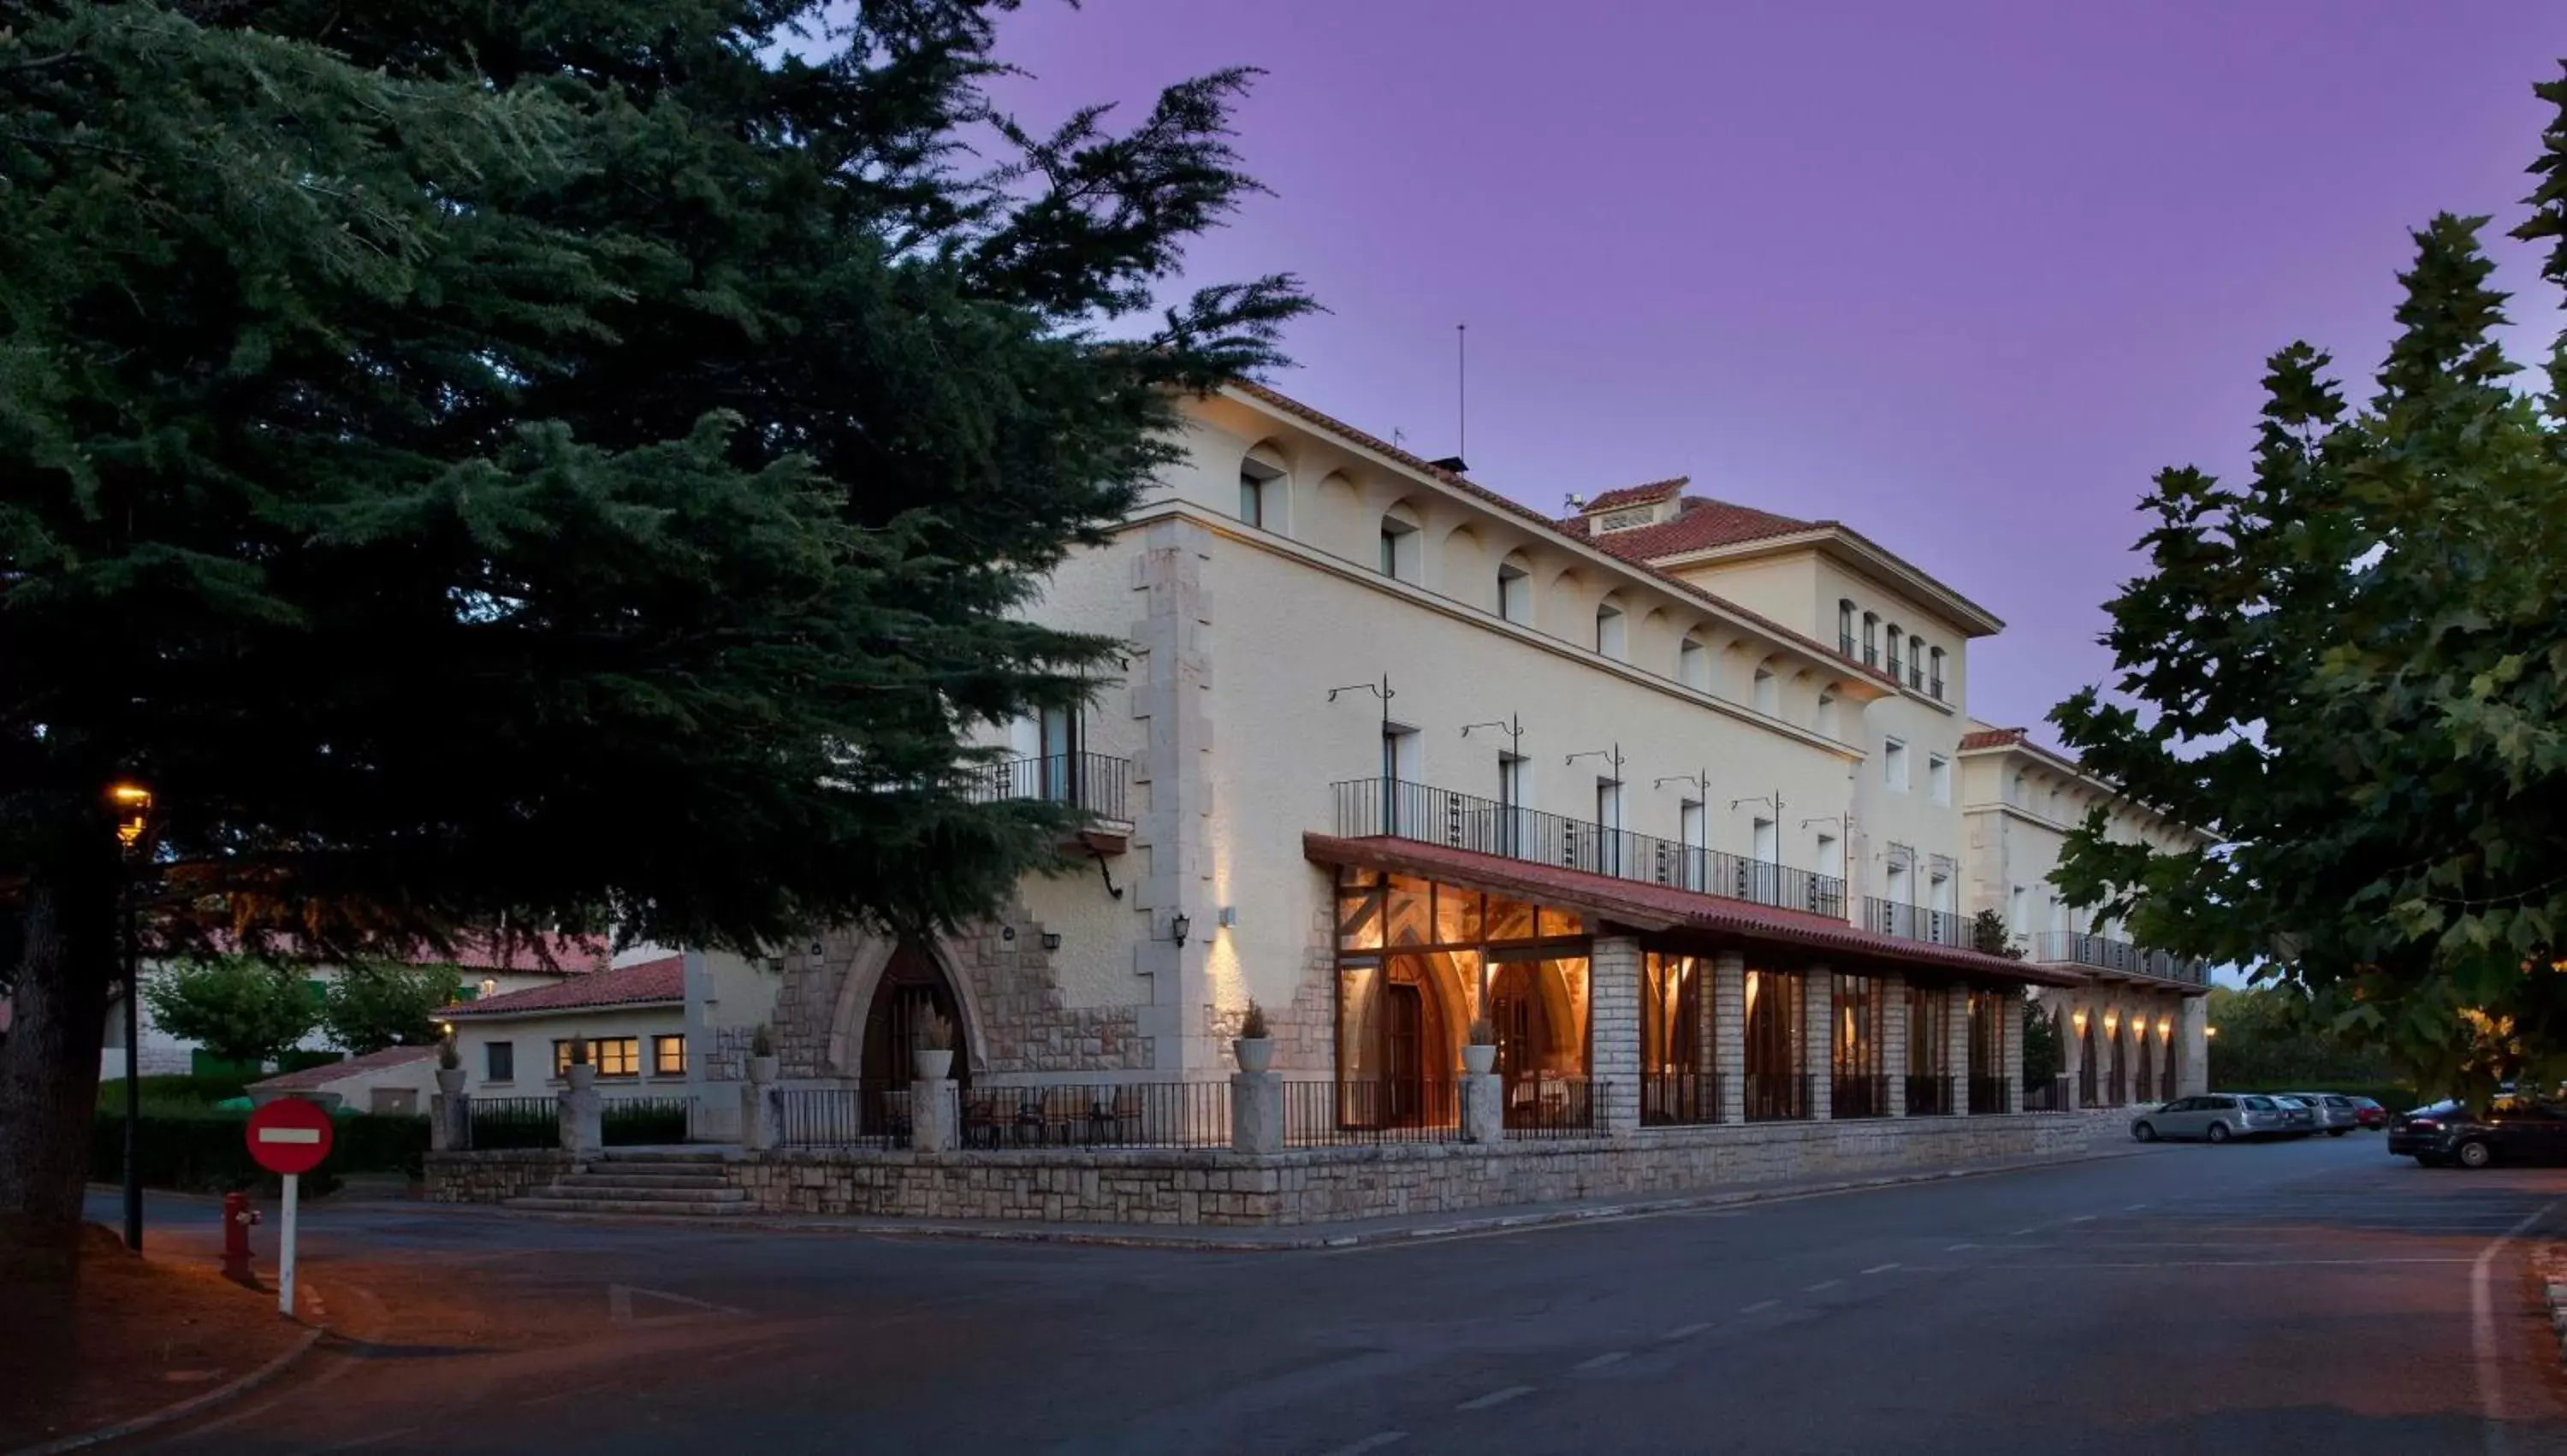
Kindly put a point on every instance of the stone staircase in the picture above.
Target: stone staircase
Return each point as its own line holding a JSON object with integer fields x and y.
{"x": 658, "y": 1182}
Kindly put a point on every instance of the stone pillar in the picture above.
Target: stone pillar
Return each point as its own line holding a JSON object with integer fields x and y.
{"x": 1727, "y": 1007}
{"x": 582, "y": 1122}
{"x": 1484, "y": 1108}
{"x": 1172, "y": 857}
{"x": 450, "y": 1121}
{"x": 2012, "y": 1034}
{"x": 1893, "y": 1041}
{"x": 1613, "y": 991}
{"x": 2192, "y": 1043}
{"x": 1256, "y": 1112}
{"x": 934, "y": 1115}
{"x": 1956, "y": 1046}
{"x": 2071, "y": 1049}
{"x": 1818, "y": 1038}
{"x": 761, "y": 1116}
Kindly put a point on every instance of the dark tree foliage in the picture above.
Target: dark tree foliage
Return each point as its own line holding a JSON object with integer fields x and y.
{"x": 568, "y": 461}
{"x": 2352, "y": 671}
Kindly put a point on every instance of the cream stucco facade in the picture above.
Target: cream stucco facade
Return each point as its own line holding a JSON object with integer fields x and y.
{"x": 1346, "y": 671}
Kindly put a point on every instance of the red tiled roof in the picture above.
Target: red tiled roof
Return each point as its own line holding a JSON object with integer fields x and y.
{"x": 1635, "y": 494}
{"x": 1325, "y": 420}
{"x": 1991, "y": 738}
{"x": 306, "y": 1078}
{"x": 637, "y": 985}
{"x": 1647, "y": 906}
{"x": 1701, "y": 523}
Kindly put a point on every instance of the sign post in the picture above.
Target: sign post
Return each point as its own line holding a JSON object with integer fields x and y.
{"x": 289, "y": 1137}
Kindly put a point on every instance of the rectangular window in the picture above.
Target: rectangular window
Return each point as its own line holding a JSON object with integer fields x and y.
{"x": 613, "y": 1057}
{"x": 1894, "y": 654}
{"x": 1938, "y": 778}
{"x": 1871, "y": 640}
{"x": 1774, "y": 1085}
{"x": 1252, "y": 499}
{"x": 1845, "y": 626}
{"x": 1934, "y": 679}
{"x": 1893, "y": 765}
{"x": 500, "y": 1062}
{"x": 1515, "y": 594}
{"x": 1402, "y": 803}
{"x": 1609, "y": 639}
{"x": 667, "y": 1057}
{"x": 1398, "y": 551}
{"x": 1768, "y": 695}
{"x": 1830, "y": 857}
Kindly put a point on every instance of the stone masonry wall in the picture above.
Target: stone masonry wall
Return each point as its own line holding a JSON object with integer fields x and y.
{"x": 1318, "y": 1185}
{"x": 493, "y": 1175}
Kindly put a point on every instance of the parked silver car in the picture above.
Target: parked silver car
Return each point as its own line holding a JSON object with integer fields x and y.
{"x": 2220, "y": 1116}
{"x": 2337, "y": 1114}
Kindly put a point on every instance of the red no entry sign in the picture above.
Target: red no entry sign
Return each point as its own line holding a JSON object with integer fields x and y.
{"x": 289, "y": 1135}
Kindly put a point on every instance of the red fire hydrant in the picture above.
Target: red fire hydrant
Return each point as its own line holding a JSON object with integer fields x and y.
{"x": 237, "y": 1217}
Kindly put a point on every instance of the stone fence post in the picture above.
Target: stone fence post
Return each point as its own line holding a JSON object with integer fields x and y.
{"x": 760, "y": 1117}
{"x": 933, "y": 1112}
{"x": 450, "y": 1121}
{"x": 1484, "y": 1107}
{"x": 582, "y": 1126}
{"x": 1256, "y": 1112}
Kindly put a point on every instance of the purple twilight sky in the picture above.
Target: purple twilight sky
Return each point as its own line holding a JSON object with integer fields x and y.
{"x": 1961, "y": 275}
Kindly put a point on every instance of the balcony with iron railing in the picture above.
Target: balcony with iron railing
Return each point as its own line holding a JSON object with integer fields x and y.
{"x": 1403, "y": 810}
{"x": 1096, "y": 782}
{"x": 2119, "y": 957}
{"x": 1915, "y": 922}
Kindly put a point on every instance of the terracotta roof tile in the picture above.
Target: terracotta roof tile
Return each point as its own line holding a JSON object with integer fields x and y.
{"x": 306, "y": 1078}
{"x": 1702, "y": 524}
{"x": 647, "y": 981}
{"x": 1655, "y": 491}
{"x": 1663, "y": 907}
{"x": 1991, "y": 737}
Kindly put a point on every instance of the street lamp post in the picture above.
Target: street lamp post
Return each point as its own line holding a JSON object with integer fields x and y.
{"x": 133, "y": 815}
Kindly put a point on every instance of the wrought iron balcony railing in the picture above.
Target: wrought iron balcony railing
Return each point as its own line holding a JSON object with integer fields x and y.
{"x": 1914, "y": 922}
{"x": 1405, "y": 810}
{"x": 1095, "y": 783}
{"x": 2103, "y": 953}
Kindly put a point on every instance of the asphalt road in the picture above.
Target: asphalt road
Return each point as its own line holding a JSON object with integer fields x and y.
{"x": 2314, "y": 1297}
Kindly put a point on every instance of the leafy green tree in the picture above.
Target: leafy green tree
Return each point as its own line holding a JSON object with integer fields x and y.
{"x": 2350, "y": 670}
{"x": 2042, "y": 1059}
{"x": 239, "y": 1007}
{"x": 381, "y": 1003}
{"x": 552, "y": 461}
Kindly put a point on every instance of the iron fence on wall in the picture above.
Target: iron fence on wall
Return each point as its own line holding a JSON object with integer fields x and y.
{"x": 1358, "y": 1113}
{"x": 1989, "y": 1096}
{"x": 1097, "y": 1115}
{"x": 1778, "y": 1096}
{"x": 1544, "y": 1107}
{"x": 1930, "y": 1096}
{"x": 1679, "y": 1100}
{"x": 842, "y": 1117}
{"x": 624, "y": 1122}
{"x": 1854, "y": 1096}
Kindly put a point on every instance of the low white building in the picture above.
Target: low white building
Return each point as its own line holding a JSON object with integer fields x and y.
{"x": 518, "y": 1044}
{"x": 1670, "y": 791}
{"x": 392, "y": 1082}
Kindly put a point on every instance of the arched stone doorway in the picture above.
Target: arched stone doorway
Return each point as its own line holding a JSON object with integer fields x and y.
{"x": 913, "y": 987}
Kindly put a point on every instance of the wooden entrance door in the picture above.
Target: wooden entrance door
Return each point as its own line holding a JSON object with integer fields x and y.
{"x": 1514, "y": 1005}
{"x": 1404, "y": 1054}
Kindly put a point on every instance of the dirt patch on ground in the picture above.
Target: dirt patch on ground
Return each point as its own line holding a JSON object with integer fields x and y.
{"x": 143, "y": 1334}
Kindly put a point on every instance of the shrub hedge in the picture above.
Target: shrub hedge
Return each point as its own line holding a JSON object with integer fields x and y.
{"x": 208, "y": 1153}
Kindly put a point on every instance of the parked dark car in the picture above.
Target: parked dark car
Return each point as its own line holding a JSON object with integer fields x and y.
{"x": 2513, "y": 1129}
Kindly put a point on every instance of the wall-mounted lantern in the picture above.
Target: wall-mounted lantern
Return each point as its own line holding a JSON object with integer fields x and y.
{"x": 1178, "y": 925}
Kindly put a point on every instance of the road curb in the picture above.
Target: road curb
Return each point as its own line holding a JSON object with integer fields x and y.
{"x": 2553, "y": 1288}
{"x": 184, "y": 1408}
{"x": 1459, "y": 1227}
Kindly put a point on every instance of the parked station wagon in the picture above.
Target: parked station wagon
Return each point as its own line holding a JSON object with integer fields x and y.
{"x": 2220, "y": 1116}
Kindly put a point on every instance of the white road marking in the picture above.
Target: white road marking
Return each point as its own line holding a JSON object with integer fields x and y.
{"x": 1684, "y": 1332}
{"x": 618, "y": 1302}
{"x": 1373, "y": 1442}
{"x": 2019, "y": 1233}
{"x": 1598, "y": 1362}
{"x": 2482, "y": 1337}
{"x": 1825, "y": 1284}
{"x": 2132, "y": 1207}
{"x": 1881, "y": 1269}
{"x": 2083, "y": 1219}
{"x": 1760, "y": 1306}
{"x": 1957, "y": 1247}
{"x": 1495, "y": 1397}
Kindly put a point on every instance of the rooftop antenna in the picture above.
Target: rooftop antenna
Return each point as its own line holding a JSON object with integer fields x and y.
{"x": 1461, "y": 403}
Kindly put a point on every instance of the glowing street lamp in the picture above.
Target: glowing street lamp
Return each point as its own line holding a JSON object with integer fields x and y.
{"x": 131, "y": 804}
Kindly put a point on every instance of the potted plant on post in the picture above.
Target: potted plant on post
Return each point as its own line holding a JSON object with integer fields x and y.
{"x": 1256, "y": 1044}
{"x": 762, "y": 1055}
{"x": 583, "y": 1072}
{"x": 1480, "y": 1053}
{"x": 935, "y": 1053}
{"x": 449, "y": 1067}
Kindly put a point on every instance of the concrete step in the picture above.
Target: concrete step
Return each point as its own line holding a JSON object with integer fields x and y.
{"x": 623, "y": 1178}
{"x": 548, "y": 1204}
{"x": 688, "y": 1156}
{"x": 573, "y": 1188}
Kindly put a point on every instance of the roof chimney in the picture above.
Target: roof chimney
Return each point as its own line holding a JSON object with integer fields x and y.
{"x": 1452, "y": 464}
